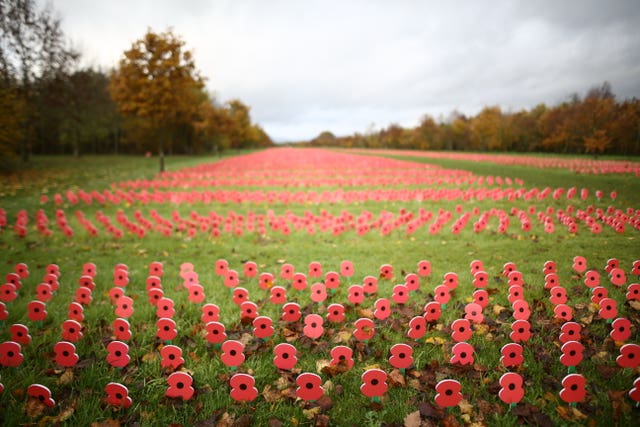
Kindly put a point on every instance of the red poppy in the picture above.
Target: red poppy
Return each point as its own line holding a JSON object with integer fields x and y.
{"x": 171, "y": 357}
{"x": 592, "y": 279}
{"x": 629, "y": 356}
{"x": 508, "y": 268}
{"x": 401, "y": 356}
{"x": 156, "y": 269}
{"x": 563, "y": 312}
{"x": 551, "y": 280}
{"x": 291, "y": 312}
{"x": 417, "y": 327}
{"x": 313, "y": 326}
{"x": 232, "y": 353}
{"x": 448, "y": 393}
{"x": 121, "y": 277}
{"x": 635, "y": 268}
{"x": 42, "y": 394}
{"x": 400, "y": 294}
{"x": 166, "y": 329}
{"x": 37, "y": 311}
{"x": 462, "y": 353}
{"x": 386, "y": 271}
{"x": 285, "y": 356}
{"x": 620, "y": 329}
{"x": 71, "y": 330}
{"x": 240, "y": 295}
{"x": 180, "y": 385}
{"x": 520, "y": 331}
{"x": 231, "y": 279}
{"x": 185, "y": 267}
{"x": 117, "y": 395}
{"x": 579, "y": 264}
{"x": 342, "y": 355}
{"x": 278, "y": 295}
{"x": 210, "y": 313}
{"x": 473, "y": 312}
{"x": 617, "y": 276}
{"x": 570, "y": 331}
{"x": 611, "y": 264}
{"x": 11, "y": 354}
{"x": 124, "y": 307}
{"x": 44, "y": 292}
{"x": 190, "y": 278}
{"x": 461, "y": 330}
{"x": 221, "y": 267}
{"x": 265, "y": 281}
{"x": 480, "y": 279}
{"x": 516, "y": 292}
{"x": 356, "y": 294}
{"x": 153, "y": 282}
{"x": 441, "y": 294}
{"x": 549, "y": 267}
{"x": 515, "y": 278}
{"x": 450, "y": 280}
{"x": 215, "y": 332}
{"x": 318, "y": 292}
{"x": 299, "y": 281}
{"x": 374, "y": 383}
{"x": 309, "y": 386}
{"x": 262, "y": 327}
{"x": 382, "y": 308}
{"x": 315, "y": 269}
{"x": 365, "y": 329}
{"x": 52, "y": 280}
{"x": 122, "y": 329}
{"x": 476, "y": 266}
{"x": 573, "y": 390}
{"x": 332, "y": 280}
{"x": 248, "y": 310}
{"x": 250, "y": 269}
{"x": 4, "y": 314}
{"x": 115, "y": 294}
{"x": 287, "y": 271}
{"x": 8, "y": 292}
{"x": 20, "y": 334}
{"x": 22, "y": 270}
{"x": 424, "y": 268}
{"x": 571, "y": 353}
{"x": 65, "y": 354}
{"x": 75, "y": 312}
{"x": 608, "y": 308}
{"x": 53, "y": 269}
{"x": 370, "y": 285}
{"x": 164, "y": 308}
{"x": 521, "y": 310}
{"x": 243, "y": 388}
{"x": 432, "y": 311}
{"x": 481, "y": 297}
{"x": 412, "y": 282}
{"x": 511, "y": 390}
{"x": 118, "y": 356}
{"x": 83, "y": 295}
{"x": 633, "y": 292}
{"x": 335, "y": 313}
{"x": 511, "y": 355}
{"x": 346, "y": 268}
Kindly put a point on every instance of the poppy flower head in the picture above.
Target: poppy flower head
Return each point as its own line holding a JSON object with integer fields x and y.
{"x": 171, "y": 357}
{"x": 315, "y": 269}
{"x": 608, "y": 308}
{"x": 346, "y": 268}
{"x": 11, "y": 354}
{"x": 374, "y": 383}
{"x": 216, "y": 333}
{"x": 65, "y": 354}
{"x": 4, "y": 314}
{"x": 481, "y": 297}
{"x": 221, "y": 267}
{"x": 620, "y": 329}
{"x": 365, "y": 329}
{"x": 572, "y": 353}
{"x": 521, "y": 310}
{"x": 520, "y": 331}
{"x": 243, "y": 388}
{"x": 634, "y": 393}
{"x": 356, "y": 294}
{"x": 232, "y": 353}
{"x": 313, "y": 326}
{"x": 417, "y": 327}
{"x": 432, "y": 311}
{"x": 370, "y": 285}
{"x": 278, "y": 295}
{"x": 382, "y": 308}
{"x": 563, "y": 312}
{"x": 448, "y": 393}
{"x": 332, "y": 280}
{"x": 633, "y": 292}
{"x": 473, "y": 312}
{"x": 511, "y": 355}
{"x": 480, "y": 279}
{"x": 424, "y": 268}
{"x": 579, "y": 264}
{"x": 342, "y": 355}
{"x": 117, "y": 395}
{"x": 401, "y": 356}
{"x": 573, "y": 390}
{"x": 386, "y": 271}
{"x": 263, "y": 327}
{"x": 71, "y": 330}
{"x": 118, "y": 354}
{"x": 441, "y": 294}
{"x": 240, "y": 295}
{"x": 335, "y": 313}
{"x": 511, "y": 390}
{"x": 121, "y": 277}
{"x": 309, "y": 386}
{"x": 165, "y": 308}
{"x": 461, "y": 330}
{"x": 462, "y": 354}
{"x": 549, "y": 267}
{"x": 612, "y": 263}
{"x": 617, "y": 276}
{"x": 508, "y": 268}
{"x": 299, "y": 281}
{"x": 400, "y": 294}
{"x": 124, "y": 307}
{"x": 22, "y": 270}
{"x": 156, "y": 269}
{"x": 558, "y": 295}
{"x": 551, "y": 280}
{"x": 8, "y": 292}
{"x": 42, "y": 394}
{"x": 180, "y": 386}
{"x": 570, "y": 331}
{"x": 285, "y": 356}
{"x": 475, "y": 266}
{"x": 210, "y": 313}
{"x": 265, "y": 281}
{"x": 250, "y": 269}
{"x": 166, "y": 329}
{"x": 629, "y": 356}
{"x": 592, "y": 279}
{"x": 121, "y": 329}
{"x": 37, "y": 311}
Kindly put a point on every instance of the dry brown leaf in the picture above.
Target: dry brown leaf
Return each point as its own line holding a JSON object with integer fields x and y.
{"x": 35, "y": 408}
{"x": 435, "y": 340}
{"x": 321, "y": 364}
{"x": 635, "y": 304}
{"x": 342, "y": 336}
{"x": 66, "y": 377}
{"x": 311, "y": 413}
{"x": 365, "y": 312}
{"x": 270, "y": 395}
{"x": 110, "y": 422}
{"x": 465, "y": 407}
{"x": 570, "y": 413}
{"x": 227, "y": 420}
{"x": 497, "y": 309}
{"x": 397, "y": 379}
{"x": 412, "y": 419}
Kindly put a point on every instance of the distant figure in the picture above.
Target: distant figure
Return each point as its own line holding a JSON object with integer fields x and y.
{"x": 147, "y": 154}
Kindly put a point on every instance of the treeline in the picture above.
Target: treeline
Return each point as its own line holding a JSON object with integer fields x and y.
{"x": 595, "y": 123}
{"x": 154, "y": 101}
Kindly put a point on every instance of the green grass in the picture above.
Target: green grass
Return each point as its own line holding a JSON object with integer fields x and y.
{"x": 447, "y": 252}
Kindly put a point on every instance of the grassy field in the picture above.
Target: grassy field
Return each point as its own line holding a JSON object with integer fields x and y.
{"x": 79, "y": 391}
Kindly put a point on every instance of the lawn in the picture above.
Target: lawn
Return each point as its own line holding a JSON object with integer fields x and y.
{"x": 284, "y": 209}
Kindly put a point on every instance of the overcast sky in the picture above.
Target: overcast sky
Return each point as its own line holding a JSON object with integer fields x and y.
{"x": 308, "y": 66}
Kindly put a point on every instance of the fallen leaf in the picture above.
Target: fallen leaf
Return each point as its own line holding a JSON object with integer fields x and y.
{"x": 397, "y": 379}
{"x": 634, "y": 304}
{"x": 450, "y": 420}
{"x": 570, "y": 413}
{"x": 270, "y": 395}
{"x": 274, "y": 422}
{"x": 465, "y": 407}
{"x": 110, "y": 422}
{"x": 436, "y": 340}
{"x": 35, "y": 408}
{"x": 412, "y": 419}
{"x": 343, "y": 336}
{"x": 66, "y": 377}
{"x": 365, "y": 312}
{"x": 245, "y": 420}
{"x": 321, "y": 364}
{"x": 226, "y": 420}
{"x": 311, "y": 413}
{"x": 497, "y": 309}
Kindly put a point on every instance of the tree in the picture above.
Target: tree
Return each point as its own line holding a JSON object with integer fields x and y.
{"x": 32, "y": 48}
{"x": 597, "y": 143}
{"x": 157, "y": 81}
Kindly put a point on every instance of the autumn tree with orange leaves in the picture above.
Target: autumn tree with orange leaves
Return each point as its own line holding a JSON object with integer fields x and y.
{"x": 157, "y": 82}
